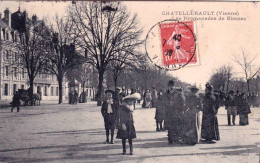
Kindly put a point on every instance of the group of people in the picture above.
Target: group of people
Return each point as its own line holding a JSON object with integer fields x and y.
{"x": 237, "y": 105}
{"x": 73, "y": 97}
{"x": 187, "y": 117}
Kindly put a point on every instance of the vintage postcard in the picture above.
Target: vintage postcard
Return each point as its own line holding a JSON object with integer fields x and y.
{"x": 129, "y": 81}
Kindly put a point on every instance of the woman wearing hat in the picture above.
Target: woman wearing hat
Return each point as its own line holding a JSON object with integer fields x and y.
{"x": 243, "y": 110}
{"x": 108, "y": 111}
{"x": 193, "y": 117}
{"x": 209, "y": 129}
{"x": 126, "y": 129}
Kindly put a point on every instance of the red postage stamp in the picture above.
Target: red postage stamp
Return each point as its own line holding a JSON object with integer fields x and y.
{"x": 178, "y": 43}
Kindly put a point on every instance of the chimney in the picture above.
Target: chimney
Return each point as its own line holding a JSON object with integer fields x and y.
{"x": 7, "y": 17}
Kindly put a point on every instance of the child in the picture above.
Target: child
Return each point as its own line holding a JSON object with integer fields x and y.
{"x": 126, "y": 129}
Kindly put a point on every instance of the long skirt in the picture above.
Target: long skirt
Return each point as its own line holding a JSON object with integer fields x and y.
{"x": 175, "y": 127}
{"x": 243, "y": 119}
{"x": 129, "y": 133}
{"x": 192, "y": 127}
{"x": 209, "y": 130}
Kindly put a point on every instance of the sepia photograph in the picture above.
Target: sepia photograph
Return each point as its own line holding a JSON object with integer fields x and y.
{"x": 129, "y": 81}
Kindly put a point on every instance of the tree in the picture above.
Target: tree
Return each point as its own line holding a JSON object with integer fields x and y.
{"x": 104, "y": 30}
{"x": 63, "y": 55}
{"x": 221, "y": 77}
{"x": 248, "y": 66}
{"x": 122, "y": 61}
{"x": 33, "y": 47}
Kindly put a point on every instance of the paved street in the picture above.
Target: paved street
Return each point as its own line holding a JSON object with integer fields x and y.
{"x": 75, "y": 133}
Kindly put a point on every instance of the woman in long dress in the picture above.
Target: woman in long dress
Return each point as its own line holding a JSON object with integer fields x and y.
{"x": 243, "y": 110}
{"x": 209, "y": 129}
{"x": 159, "y": 112}
{"x": 193, "y": 117}
{"x": 126, "y": 128}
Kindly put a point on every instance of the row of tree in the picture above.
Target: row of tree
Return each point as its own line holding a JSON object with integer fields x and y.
{"x": 102, "y": 34}
{"x": 224, "y": 78}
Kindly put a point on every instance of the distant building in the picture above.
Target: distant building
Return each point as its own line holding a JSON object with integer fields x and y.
{"x": 12, "y": 77}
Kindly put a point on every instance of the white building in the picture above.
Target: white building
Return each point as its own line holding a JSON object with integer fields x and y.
{"x": 13, "y": 78}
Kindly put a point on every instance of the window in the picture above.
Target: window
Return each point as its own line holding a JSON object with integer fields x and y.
{"x": 57, "y": 91}
{"x": 38, "y": 89}
{"x": 45, "y": 91}
{"x": 22, "y": 72}
{"x": 6, "y": 71}
{"x": 22, "y": 86}
{"x": 14, "y": 88}
{"x": 6, "y": 54}
{"x": 15, "y": 72}
{"x": 51, "y": 91}
{"x": 87, "y": 92}
{"x": 6, "y": 89}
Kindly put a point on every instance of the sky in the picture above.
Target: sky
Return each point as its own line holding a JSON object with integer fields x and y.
{"x": 218, "y": 41}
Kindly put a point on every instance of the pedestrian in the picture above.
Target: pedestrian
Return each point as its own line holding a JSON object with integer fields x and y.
{"x": 108, "y": 111}
{"x": 159, "y": 113}
{"x": 243, "y": 110}
{"x": 76, "y": 96}
{"x": 193, "y": 117}
{"x": 173, "y": 102}
{"x": 16, "y": 102}
{"x": 70, "y": 97}
{"x": 209, "y": 129}
{"x": 147, "y": 99}
{"x": 154, "y": 98}
{"x": 230, "y": 105}
{"x": 126, "y": 128}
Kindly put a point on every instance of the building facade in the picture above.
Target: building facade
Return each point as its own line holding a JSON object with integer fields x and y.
{"x": 13, "y": 77}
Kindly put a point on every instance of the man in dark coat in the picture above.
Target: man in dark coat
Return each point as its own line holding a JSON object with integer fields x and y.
{"x": 173, "y": 104}
{"x": 16, "y": 101}
{"x": 210, "y": 129}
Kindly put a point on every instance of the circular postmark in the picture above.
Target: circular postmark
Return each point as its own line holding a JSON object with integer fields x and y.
{"x": 171, "y": 44}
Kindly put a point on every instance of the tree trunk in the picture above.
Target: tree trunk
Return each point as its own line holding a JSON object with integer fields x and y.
{"x": 100, "y": 87}
{"x": 83, "y": 84}
{"x": 248, "y": 86}
{"x": 31, "y": 91}
{"x": 60, "y": 80}
{"x": 115, "y": 81}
